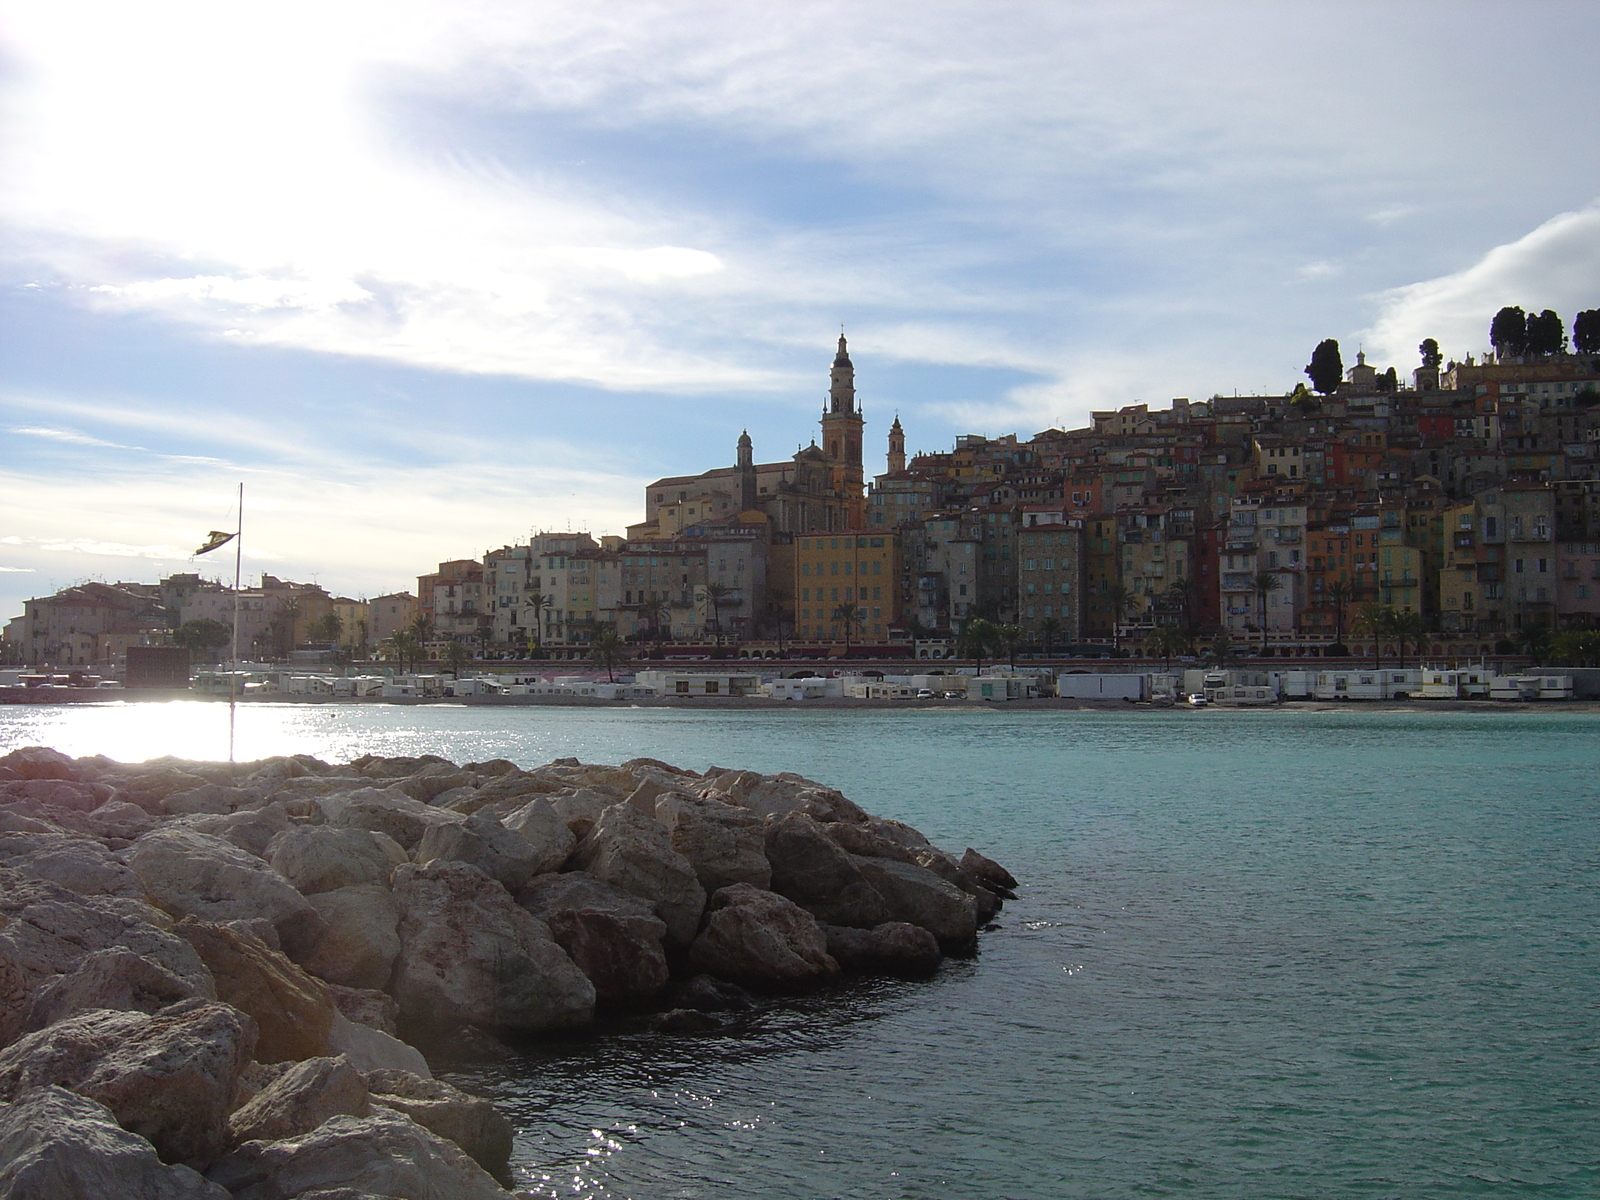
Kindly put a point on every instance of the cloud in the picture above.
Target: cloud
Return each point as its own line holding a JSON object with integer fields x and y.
{"x": 254, "y": 293}
{"x": 70, "y": 436}
{"x": 16, "y": 570}
{"x": 1555, "y": 266}
{"x": 1319, "y": 270}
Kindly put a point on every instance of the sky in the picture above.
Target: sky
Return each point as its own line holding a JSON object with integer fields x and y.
{"x": 426, "y": 278}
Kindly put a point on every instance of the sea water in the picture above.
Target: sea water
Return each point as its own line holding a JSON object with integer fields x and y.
{"x": 1255, "y": 954}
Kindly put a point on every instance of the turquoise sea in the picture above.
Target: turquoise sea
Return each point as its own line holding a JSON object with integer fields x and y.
{"x": 1257, "y": 954}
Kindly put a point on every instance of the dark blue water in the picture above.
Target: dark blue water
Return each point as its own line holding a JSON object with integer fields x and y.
{"x": 1256, "y": 954}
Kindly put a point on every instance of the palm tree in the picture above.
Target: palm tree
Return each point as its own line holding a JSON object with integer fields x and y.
{"x": 456, "y": 656}
{"x": 847, "y": 614}
{"x": 1408, "y": 627}
{"x": 421, "y": 628}
{"x": 1534, "y": 641}
{"x": 1008, "y": 638}
{"x": 1339, "y": 593}
{"x": 607, "y": 650}
{"x": 975, "y": 639}
{"x": 1185, "y": 593}
{"x": 1374, "y": 618}
{"x": 1049, "y": 628}
{"x": 1120, "y": 597}
{"x": 655, "y": 612}
{"x": 539, "y": 602}
{"x": 406, "y": 648}
{"x": 1263, "y": 584}
{"x": 1167, "y": 640}
{"x": 328, "y": 628}
{"x": 718, "y": 594}
{"x": 774, "y": 612}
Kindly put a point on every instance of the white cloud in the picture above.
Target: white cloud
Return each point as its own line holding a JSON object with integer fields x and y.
{"x": 253, "y": 293}
{"x": 1319, "y": 270}
{"x": 70, "y": 436}
{"x": 1555, "y": 266}
{"x": 16, "y": 570}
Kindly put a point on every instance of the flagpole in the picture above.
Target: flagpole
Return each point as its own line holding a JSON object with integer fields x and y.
{"x": 238, "y": 571}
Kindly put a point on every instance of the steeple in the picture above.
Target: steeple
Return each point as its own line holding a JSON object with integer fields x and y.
{"x": 747, "y": 473}
{"x": 842, "y": 382}
{"x": 746, "y": 451}
{"x": 897, "y": 447}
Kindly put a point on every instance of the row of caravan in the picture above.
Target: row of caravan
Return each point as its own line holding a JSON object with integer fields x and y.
{"x": 1256, "y": 687}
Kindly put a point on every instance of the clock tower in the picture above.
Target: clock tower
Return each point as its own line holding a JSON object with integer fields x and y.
{"x": 841, "y": 437}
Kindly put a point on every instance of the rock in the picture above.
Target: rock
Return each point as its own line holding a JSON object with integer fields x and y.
{"x": 866, "y": 841}
{"x": 895, "y": 947}
{"x": 811, "y": 870}
{"x": 300, "y": 1099}
{"x": 118, "y": 819}
{"x": 370, "y": 1049}
{"x": 539, "y": 823}
{"x": 612, "y": 936}
{"x": 483, "y": 842}
{"x": 148, "y": 788}
{"x": 723, "y": 843}
{"x": 633, "y": 852}
{"x": 581, "y": 807}
{"x": 387, "y": 1154}
{"x": 170, "y": 1078}
{"x": 47, "y": 931}
{"x": 57, "y": 1145}
{"x": 760, "y": 937}
{"x": 897, "y": 831}
{"x": 76, "y": 864}
{"x": 252, "y": 830}
{"x": 362, "y": 939}
{"x": 209, "y": 798}
{"x": 917, "y": 895}
{"x": 401, "y": 817}
{"x": 707, "y": 993}
{"x": 366, "y": 1006}
{"x": 636, "y": 764}
{"x": 471, "y": 1122}
{"x": 682, "y": 1020}
{"x": 114, "y": 979}
{"x": 990, "y": 873}
{"x": 469, "y": 954}
{"x": 320, "y": 858}
{"x": 986, "y": 904}
{"x": 40, "y": 762}
{"x": 58, "y": 793}
{"x": 193, "y": 874}
{"x": 293, "y": 1010}
{"x": 433, "y": 781}
{"x": 782, "y": 794}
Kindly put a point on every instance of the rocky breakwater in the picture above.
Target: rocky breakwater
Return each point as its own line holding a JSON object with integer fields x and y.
{"x": 206, "y": 968}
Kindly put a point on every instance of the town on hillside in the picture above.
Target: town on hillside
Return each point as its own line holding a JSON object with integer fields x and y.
{"x": 1455, "y": 510}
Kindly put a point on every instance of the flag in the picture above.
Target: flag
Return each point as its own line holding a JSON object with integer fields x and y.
{"x": 217, "y": 538}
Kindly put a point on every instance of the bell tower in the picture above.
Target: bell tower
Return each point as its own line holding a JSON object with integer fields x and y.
{"x": 747, "y": 473}
{"x": 897, "y": 448}
{"x": 841, "y": 436}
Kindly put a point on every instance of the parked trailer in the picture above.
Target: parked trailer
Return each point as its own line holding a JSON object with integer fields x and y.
{"x": 1102, "y": 687}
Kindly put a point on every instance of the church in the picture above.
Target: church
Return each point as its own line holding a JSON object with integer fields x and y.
{"x": 820, "y": 489}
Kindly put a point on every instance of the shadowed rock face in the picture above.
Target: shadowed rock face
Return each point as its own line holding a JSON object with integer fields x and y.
{"x": 316, "y": 906}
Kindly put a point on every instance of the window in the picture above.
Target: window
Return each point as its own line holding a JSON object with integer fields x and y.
{"x": 712, "y": 687}
{"x": 683, "y": 687}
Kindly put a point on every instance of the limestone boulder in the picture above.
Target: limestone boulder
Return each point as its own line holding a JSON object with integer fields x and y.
{"x": 194, "y": 874}
{"x": 300, "y": 1099}
{"x": 393, "y": 813}
{"x": 75, "y": 863}
{"x": 782, "y": 794}
{"x": 893, "y": 948}
{"x": 362, "y": 939}
{"x": 117, "y": 820}
{"x": 66, "y": 795}
{"x": 987, "y": 905}
{"x": 47, "y": 931}
{"x": 371, "y": 1049}
{"x": 470, "y": 955}
{"x": 433, "y": 781}
{"x": 215, "y": 798}
{"x": 580, "y": 807}
{"x": 321, "y": 858}
{"x": 251, "y": 830}
{"x": 58, "y": 1145}
{"x": 40, "y": 762}
{"x": 634, "y": 852}
{"x": 810, "y": 869}
{"x": 170, "y": 1078}
{"x": 756, "y": 936}
{"x": 366, "y": 1006}
{"x": 724, "y": 844}
{"x": 992, "y": 874}
{"x": 115, "y": 979}
{"x": 386, "y": 1154}
{"x": 537, "y": 822}
{"x": 483, "y": 842}
{"x": 471, "y": 1122}
{"x": 915, "y": 894}
{"x": 293, "y": 1011}
{"x": 149, "y": 785}
{"x": 612, "y": 936}
{"x": 867, "y": 841}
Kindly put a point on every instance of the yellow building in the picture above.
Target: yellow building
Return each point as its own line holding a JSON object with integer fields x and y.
{"x": 849, "y": 572}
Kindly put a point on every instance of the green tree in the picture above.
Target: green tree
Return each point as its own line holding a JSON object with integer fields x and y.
{"x": 1534, "y": 641}
{"x": 717, "y": 594}
{"x": 328, "y": 628}
{"x": 1545, "y": 333}
{"x": 607, "y": 650}
{"x": 1007, "y": 638}
{"x": 421, "y": 630}
{"x": 1586, "y": 331}
{"x": 1049, "y": 630}
{"x": 849, "y": 616}
{"x": 1167, "y": 640}
{"x": 1302, "y": 401}
{"x": 1575, "y": 648}
{"x": 203, "y": 637}
{"x": 1263, "y": 584}
{"x": 1326, "y": 368}
{"x": 1374, "y": 619}
{"x": 1408, "y": 628}
{"x": 975, "y": 640}
{"x": 1430, "y": 353}
{"x": 405, "y": 647}
{"x": 1508, "y": 332}
{"x": 1120, "y": 598}
{"x": 1339, "y": 594}
{"x": 456, "y": 656}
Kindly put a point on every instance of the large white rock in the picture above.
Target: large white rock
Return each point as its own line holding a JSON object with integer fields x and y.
{"x": 170, "y": 1078}
{"x": 724, "y": 843}
{"x": 320, "y": 858}
{"x": 194, "y": 874}
{"x": 57, "y": 1145}
{"x": 759, "y": 937}
{"x": 300, "y": 1099}
{"x": 471, "y": 1122}
{"x": 387, "y": 1154}
{"x": 810, "y": 869}
{"x": 917, "y": 895}
{"x": 633, "y": 852}
{"x": 362, "y": 939}
{"x": 394, "y": 813}
{"x": 46, "y": 932}
{"x": 499, "y": 852}
{"x": 539, "y": 823}
{"x": 613, "y": 936}
{"x": 470, "y": 955}
{"x": 370, "y": 1049}
{"x": 116, "y": 979}
{"x": 76, "y": 863}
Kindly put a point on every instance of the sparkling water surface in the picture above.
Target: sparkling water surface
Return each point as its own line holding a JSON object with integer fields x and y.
{"x": 1256, "y": 954}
